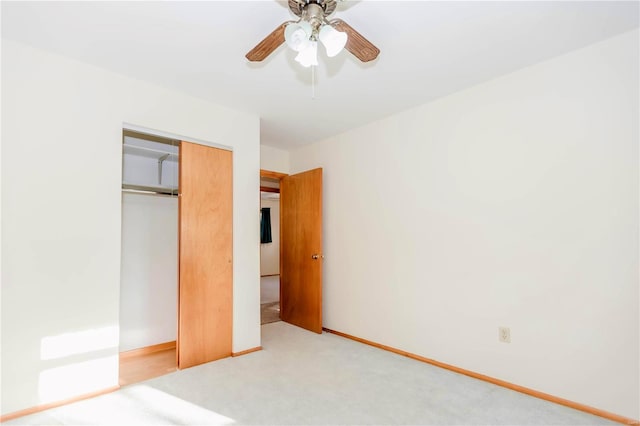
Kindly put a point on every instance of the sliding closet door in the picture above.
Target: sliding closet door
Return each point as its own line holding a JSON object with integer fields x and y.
{"x": 205, "y": 295}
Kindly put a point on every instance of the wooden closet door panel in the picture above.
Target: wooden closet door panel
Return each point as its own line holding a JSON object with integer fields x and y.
{"x": 301, "y": 250}
{"x": 206, "y": 268}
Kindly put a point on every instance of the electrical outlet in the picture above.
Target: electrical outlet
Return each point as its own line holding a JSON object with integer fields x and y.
{"x": 504, "y": 334}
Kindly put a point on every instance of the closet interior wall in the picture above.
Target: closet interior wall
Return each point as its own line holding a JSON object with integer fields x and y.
{"x": 149, "y": 272}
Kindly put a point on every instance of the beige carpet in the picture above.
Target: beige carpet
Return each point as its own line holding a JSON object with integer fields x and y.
{"x": 304, "y": 378}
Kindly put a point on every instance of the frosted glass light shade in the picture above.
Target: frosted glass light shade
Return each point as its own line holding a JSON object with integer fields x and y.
{"x": 308, "y": 56}
{"x": 297, "y": 35}
{"x": 332, "y": 39}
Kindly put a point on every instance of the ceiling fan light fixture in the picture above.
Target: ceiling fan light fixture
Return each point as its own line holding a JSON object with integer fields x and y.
{"x": 332, "y": 39}
{"x": 312, "y": 27}
{"x": 309, "y": 55}
{"x": 297, "y": 35}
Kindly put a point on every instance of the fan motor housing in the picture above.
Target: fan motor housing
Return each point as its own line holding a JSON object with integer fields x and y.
{"x": 298, "y": 6}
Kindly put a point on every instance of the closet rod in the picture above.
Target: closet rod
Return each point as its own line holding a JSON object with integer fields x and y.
{"x": 152, "y": 193}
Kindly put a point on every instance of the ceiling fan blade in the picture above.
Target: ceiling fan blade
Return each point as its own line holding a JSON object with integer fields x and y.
{"x": 268, "y": 45}
{"x": 359, "y": 46}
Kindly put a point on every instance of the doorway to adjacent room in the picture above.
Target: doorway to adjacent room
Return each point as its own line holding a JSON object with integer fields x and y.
{"x": 300, "y": 247}
{"x": 269, "y": 250}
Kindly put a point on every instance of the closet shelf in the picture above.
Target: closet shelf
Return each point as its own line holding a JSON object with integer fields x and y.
{"x": 150, "y": 152}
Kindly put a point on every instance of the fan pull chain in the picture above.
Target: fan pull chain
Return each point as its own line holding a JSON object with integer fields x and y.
{"x": 313, "y": 82}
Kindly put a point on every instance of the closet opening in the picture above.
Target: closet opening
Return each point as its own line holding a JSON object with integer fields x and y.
{"x": 149, "y": 271}
{"x": 177, "y": 254}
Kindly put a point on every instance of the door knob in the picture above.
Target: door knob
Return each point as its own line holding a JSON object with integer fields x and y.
{"x": 317, "y": 256}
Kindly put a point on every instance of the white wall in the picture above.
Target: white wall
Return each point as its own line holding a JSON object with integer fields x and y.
{"x": 149, "y": 271}
{"x": 270, "y": 253}
{"x": 274, "y": 159}
{"x": 513, "y": 203}
{"x": 61, "y": 174}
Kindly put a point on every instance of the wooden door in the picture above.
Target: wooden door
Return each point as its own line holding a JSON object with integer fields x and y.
{"x": 206, "y": 269}
{"x": 301, "y": 250}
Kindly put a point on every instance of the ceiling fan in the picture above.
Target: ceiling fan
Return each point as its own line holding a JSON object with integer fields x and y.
{"x": 313, "y": 27}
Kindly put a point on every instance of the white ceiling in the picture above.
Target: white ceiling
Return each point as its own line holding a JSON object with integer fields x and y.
{"x": 428, "y": 49}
